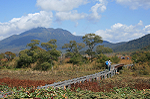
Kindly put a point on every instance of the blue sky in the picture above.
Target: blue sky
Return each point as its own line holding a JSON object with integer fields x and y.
{"x": 113, "y": 20}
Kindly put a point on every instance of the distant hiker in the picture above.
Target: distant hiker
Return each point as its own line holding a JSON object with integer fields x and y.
{"x": 106, "y": 64}
{"x": 109, "y": 64}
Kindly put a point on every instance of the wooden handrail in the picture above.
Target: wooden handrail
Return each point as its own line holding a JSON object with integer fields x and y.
{"x": 103, "y": 74}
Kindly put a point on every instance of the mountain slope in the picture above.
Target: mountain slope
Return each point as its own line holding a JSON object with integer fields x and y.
{"x": 134, "y": 44}
{"x": 17, "y": 43}
{"x": 146, "y": 48}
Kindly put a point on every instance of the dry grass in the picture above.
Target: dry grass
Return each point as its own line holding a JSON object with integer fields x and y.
{"x": 61, "y": 71}
{"x": 69, "y": 66}
{"x": 125, "y": 61}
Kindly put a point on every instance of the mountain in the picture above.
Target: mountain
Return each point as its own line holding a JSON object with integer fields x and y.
{"x": 134, "y": 44}
{"x": 17, "y": 43}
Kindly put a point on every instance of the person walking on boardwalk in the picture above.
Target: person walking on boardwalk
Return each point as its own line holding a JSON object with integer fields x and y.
{"x": 109, "y": 64}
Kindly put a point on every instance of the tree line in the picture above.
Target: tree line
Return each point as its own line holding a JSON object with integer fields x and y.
{"x": 45, "y": 56}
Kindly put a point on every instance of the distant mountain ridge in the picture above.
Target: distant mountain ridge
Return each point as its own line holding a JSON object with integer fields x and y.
{"x": 134, "y": 45}
{"x": 17, "y": 43}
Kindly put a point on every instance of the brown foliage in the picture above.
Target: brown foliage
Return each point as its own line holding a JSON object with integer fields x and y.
{"x": 109, "y": 83}
{"x": 24, "y": 83}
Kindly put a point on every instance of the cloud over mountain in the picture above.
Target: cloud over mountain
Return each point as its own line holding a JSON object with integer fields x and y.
{"x": 18, "y": 25}
{"x": 64, "y": 10}
{"x": 147, "y": 28}
{"x": 121, "y": 32}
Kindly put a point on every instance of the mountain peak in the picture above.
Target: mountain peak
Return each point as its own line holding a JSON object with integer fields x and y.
{"x": 16, "y": 43}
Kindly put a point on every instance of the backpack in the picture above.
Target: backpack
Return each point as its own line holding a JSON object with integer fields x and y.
{"x": 106, "y": 62}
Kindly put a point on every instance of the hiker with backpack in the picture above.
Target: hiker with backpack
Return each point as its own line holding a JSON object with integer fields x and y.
{"x": 108, "y": 64}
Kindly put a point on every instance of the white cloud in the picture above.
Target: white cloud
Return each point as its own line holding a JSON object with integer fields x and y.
{"x": 121, "y": 32}
{"x": 60, "y": 5}
{"x": 140, "y": 23}
{"x": 74, "y": 33}
{"x": 104, "y": 34}
{"x": 76, "y": 24}
{"x": 18, "y": 25}
{"x": 96, "y": 9}
{"x": 71, "y": 15}
{"x": 135, "y": 4}
{"x": 147, "y": 28}
{"x": 65, "y": 9}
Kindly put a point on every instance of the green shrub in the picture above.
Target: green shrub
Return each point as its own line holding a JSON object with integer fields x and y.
{"x": 43, "y": 66}
{"x": 99, "y": 66}
{"x": 24, "y": 61}
{"x": 101, "y": 58}
{"x": 140, "y": 56}
{"x": 115, "y": 59}
{"x": 143, "y": 72}
{"x": 141, "y": 62}
{"x": 46, "y": 66}
{"x": 77, "y": 59}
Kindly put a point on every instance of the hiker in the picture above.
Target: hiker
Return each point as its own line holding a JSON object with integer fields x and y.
{"x": 106, "y": 64}
{"x": 109, "y": 64}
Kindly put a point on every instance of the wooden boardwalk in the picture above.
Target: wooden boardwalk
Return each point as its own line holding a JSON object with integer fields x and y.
{"x": 97, "y": 76}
